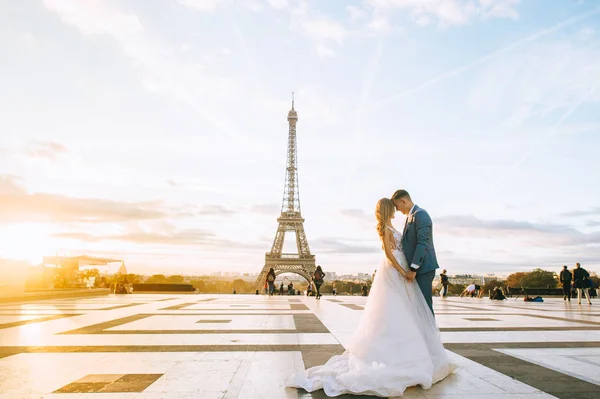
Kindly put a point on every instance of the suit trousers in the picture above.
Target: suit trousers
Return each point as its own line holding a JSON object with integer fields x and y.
{"x": 425, "y": 281}
{"x": 567, "y": 290}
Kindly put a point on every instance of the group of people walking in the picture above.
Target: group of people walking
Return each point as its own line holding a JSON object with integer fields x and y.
{"x": 317, "y": 280}
{"x": 578, "y": 279}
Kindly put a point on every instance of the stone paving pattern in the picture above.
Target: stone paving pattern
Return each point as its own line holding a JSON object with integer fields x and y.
{"x": 243, "y": 346}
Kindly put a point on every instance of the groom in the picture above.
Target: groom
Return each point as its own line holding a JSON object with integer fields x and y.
{"x": 417, "y": 243}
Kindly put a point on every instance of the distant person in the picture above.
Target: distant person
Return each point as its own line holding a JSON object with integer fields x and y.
{"x": 319, "y": 277}
{"x": 469, "y": 291}
{"x": 365, "y": 290}
{"x": 234, "y": 291}
{"x": 281, "y": 289}
{"x": 271, "y": 281}
{"x": 508, "y": 293}
{"x": 527, "y": 298}
{"x": 565, "y": 279}
{"x": 582, "y": 283}
{"x": 444, "y": 283}
{"x": 334, "y": 290}
{"x": 497, "y": 294}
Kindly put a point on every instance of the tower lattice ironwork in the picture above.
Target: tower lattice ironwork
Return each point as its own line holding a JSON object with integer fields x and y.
{"x": 291, "y": 220}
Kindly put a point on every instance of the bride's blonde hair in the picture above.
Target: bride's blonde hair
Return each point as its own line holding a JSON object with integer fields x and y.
{"x": 383, "y": 212}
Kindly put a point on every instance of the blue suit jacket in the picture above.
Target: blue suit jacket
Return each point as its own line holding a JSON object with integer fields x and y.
{"x": 417, "y": 241}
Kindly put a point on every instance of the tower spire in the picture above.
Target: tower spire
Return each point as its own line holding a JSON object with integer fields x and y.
{"x": 301, "y": 262}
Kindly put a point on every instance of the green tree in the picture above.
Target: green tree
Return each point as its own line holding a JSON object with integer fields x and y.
{"x": 157, "y": 279}
{"x": 175, "y": 279}
{"x": 132, "y": 278}
{"x": 200, "y": 285}
{"x": 515, "y": 280}
{"x": 490, "y": 285}
{"x": 539, "y": 278}
{"x": 240, "y": 286}
{"x": 456, "y": 289}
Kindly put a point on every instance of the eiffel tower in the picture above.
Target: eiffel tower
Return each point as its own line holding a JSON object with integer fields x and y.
{"x": 302, "y": 262}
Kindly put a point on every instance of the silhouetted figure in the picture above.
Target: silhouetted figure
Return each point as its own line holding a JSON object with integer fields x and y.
{"x": 565, "y": 279}
{"x": 365, "y": 290}
{"x": 319, "y": 278}
{"x": 538, "y": 298}
{"x": 444, "y": 282}
{"x": 582, "y": 283}
{"x": 271, "y": 281}
{"x": 497, "y": 294}
{"x": 281, "y": 289}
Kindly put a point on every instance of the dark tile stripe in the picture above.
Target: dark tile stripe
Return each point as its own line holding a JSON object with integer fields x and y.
{"x": 100, "y": 327}
{"x": 180, "y": 306}
{"x": 131, "y": 383}
{"x": 308, "y": 323}
{"x": 550, "y": 381}
{"x": 40, "y": 320}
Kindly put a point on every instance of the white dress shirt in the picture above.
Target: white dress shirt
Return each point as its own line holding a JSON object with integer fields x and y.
{"x": 414, "y": 266}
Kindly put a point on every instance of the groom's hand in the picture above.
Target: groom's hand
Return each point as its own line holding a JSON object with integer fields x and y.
{"x": 410, "y": 275}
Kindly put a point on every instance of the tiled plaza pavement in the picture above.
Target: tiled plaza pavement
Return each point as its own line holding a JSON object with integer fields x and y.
{"x": 243, "y": 346}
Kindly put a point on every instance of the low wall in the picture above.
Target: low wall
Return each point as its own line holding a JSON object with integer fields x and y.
{"x": 162, "y": 288}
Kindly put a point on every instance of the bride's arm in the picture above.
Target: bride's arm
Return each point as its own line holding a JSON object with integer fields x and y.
{"x": 387, "y": 247}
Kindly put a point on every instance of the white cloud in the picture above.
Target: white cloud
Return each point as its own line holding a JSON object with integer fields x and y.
{"x": 226, "y": 52}
{"x": 356, "y": 13}
{"x": 380, "y": 25}
{"x": 95, "y": 18}
{"x": 500, "y": 9}
{"x": 203, "y": 5}
{"x": 450, "y": 12}
{"x": 537, "y": 80}
{"x": 159, "y": 68}
{"x": 324, "y": 51}
{"x": 322, "y": 28}
{"x": 279, "y": 4}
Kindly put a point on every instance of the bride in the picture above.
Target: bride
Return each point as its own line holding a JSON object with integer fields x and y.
{"x": 397, "y": 344}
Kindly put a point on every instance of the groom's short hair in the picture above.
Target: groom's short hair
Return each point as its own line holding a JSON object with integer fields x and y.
{"x": 399, "y": 194}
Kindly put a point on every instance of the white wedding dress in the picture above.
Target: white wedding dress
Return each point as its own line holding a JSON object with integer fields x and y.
{"x": 397, "y": 344}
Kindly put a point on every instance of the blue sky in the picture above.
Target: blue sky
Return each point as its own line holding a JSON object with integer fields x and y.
{"x": 156, "y": 131}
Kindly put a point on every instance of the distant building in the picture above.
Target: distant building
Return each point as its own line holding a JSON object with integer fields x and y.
{"x": 331, "y": 276}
